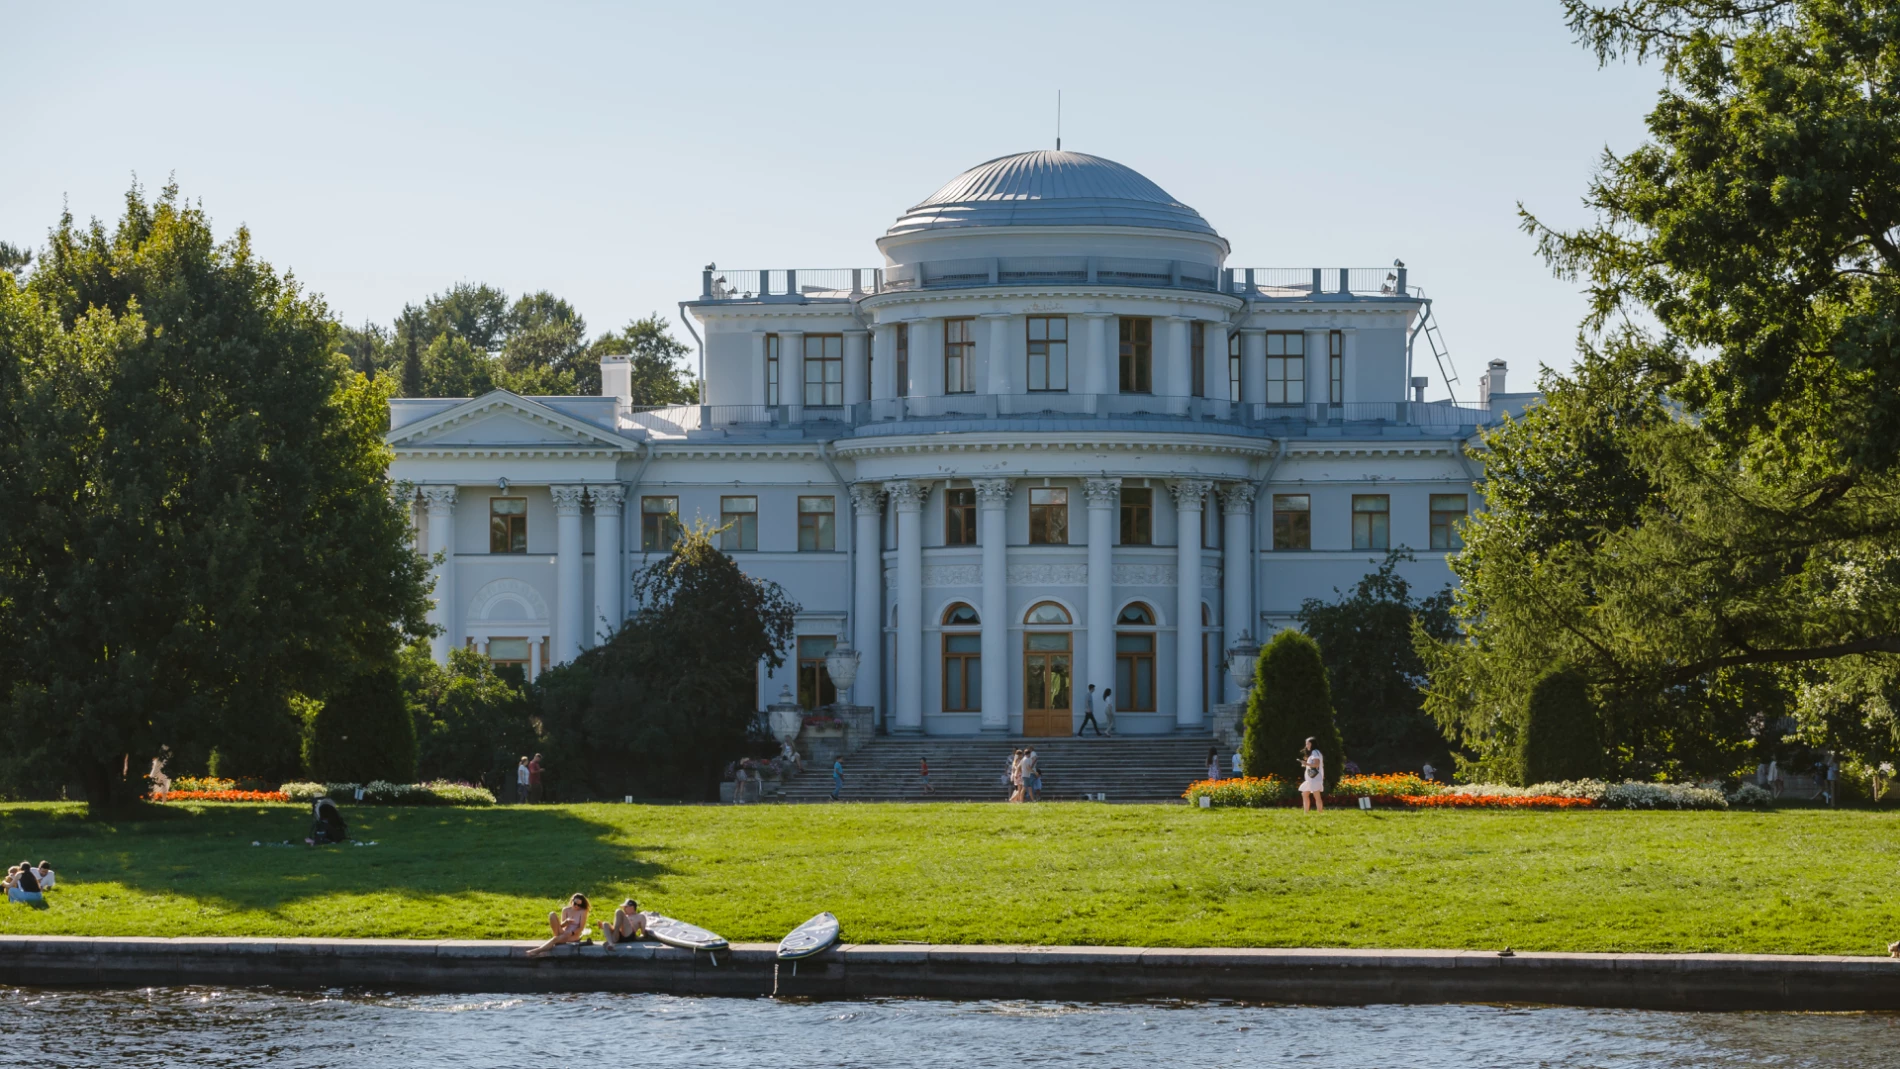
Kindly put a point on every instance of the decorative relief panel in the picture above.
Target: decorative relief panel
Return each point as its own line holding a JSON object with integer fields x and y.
{"x": 1048, "y": 575}
{"x": 1142, "y": 575}
{"x": 953, "y": 575}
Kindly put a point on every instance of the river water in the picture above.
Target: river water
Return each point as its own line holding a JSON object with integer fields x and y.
{"x": 215, "y": 1027}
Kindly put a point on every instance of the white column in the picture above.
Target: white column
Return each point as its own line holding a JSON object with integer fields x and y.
{"x": 757, "y": 393}
{"x": 926, "y": 357}
{"x": 867, "y": 613}
{"x": 1176, "y": 365}
{"x": 791, "y": 373}
{"x": 440, "y": 501}
{"x": 998, "y": 356}
{"x": 883, "y": 361}
{"x": 1349, "y": 357}
{"x": 857, "y": 370}
{"x": 1253, "y": 366}
{"x": 570, "y": 608}
{"x": 534, "y": 657}
{"x": 907, "y": 713}
{"x": 608, "y": 613}
{"x": 1236, "y": 571}
{"x": 992, "y": 507}
{"x": 1100, "y": 617}
{"x": 1099, "y": 357}
{"x": 1214, "y": 368}
{"x": 1188, "y": 494}
{"x": 1318, "y": 378}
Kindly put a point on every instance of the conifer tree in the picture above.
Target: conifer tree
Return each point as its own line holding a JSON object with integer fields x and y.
{"x": 1563, "y": 736}
{"x": 1290, "y": 703}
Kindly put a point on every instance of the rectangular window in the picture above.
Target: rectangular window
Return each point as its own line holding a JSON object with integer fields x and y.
{"x": 1137, "y": 356}
{"x": 959, "y": 356}
{"x": 739, "y": 523}
{"x": 1448, "y": 511}
{"x": 1371, "y": 521}
{"x": 507, "y": 525}
{"x": 1336, "y": 366}
{"x": 816, "y": 524}
{"x": 1233, "y": 366}
{"x": 1286, "y": 367}
{"x": 903, "y": 360}
{"x": 1135, "y": 673}
{"x": 1048, "y": 516}
{"x": 506, "y": 651}
{"x": 962, "y": 673}
{"x": 959, "y": 517}
{"x": 1048, "y": 353}
{"x": 824, "y": 369}
{"x": 771, "y": 369}
{"x": 1197, "y": 359}
{"x": 1138, "y": 516}
{"x": 1292, "y": 521}
{"x": 659, "y": 523}
{"x": 814, "y": 679}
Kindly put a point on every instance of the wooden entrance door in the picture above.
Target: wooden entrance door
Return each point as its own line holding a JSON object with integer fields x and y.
{"x": 1047, "y": 684}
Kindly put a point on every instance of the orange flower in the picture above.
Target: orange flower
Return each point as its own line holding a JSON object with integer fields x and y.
{"x": 1469, "y": 801}
{"x": 224, "y": 796}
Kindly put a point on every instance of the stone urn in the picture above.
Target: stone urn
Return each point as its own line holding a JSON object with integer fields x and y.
{"x": 785, "y": 717}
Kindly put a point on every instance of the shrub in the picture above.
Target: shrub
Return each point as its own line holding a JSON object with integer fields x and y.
{"x": 1751, "y": 796}
{"x": 378, "y": 792}
{"x": 1240, "y": 791}
{"x": 1396, "y": 783}
{"x": 1563, "y": 736}
{"x": 364, "y": 732}
{"x": 1290, "y": 702}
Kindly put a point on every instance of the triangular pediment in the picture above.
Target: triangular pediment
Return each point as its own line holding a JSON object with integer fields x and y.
{"x": 508, "y": 422}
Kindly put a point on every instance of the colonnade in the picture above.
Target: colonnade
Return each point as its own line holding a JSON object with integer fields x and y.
{"x": 906, "y": 497}
{"x": 571, "y": 628}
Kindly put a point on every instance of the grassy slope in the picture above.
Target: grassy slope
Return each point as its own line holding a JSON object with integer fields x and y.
{"x": 1791, "y": 882}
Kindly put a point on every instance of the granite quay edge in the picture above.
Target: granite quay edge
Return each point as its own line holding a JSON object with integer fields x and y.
{"x": 1065, "y": 973}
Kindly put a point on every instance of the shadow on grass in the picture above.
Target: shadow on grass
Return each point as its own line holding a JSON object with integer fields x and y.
{"x": 428, "y": 855}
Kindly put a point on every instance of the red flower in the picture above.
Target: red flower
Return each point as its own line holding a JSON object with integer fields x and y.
{"x": 223, "y": 796}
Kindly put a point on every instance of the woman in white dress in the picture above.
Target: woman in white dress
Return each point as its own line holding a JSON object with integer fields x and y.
{"x": 1315, "y": 782}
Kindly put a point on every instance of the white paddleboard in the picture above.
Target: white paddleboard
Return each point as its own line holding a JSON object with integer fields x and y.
{"x": 683, "y": 935}
{"x": 811, "y": 937}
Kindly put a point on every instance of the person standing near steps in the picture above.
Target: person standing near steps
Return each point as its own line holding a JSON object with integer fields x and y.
{"x": 837, "y": 778}
{"x": 1088, "y": 714}
{"x": 1108, "y": 711}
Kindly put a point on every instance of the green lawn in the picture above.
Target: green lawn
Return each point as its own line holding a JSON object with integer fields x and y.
{"x": 1789, "y": 882}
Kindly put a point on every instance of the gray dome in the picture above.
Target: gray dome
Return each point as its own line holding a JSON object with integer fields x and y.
{"x": 1050, "y": 189}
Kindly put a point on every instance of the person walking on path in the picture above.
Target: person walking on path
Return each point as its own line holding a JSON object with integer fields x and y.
{"x": 1108, "y": 710}
{"x": 1088, "y": 714}
{"x": 1314, "y": 784}
{"x": 923, "y": 773}
{"x": 534, "y": 779}
{"x": 837, "y": 777}
{"x": 522, "y": 776}
{"x": 1032, "y": 775}
{"x": 1016, "y": 762}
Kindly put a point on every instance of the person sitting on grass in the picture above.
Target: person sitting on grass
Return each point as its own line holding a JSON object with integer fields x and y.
{"x": 45, "y": 874}
{"x": 23, "y": 886}
{"x": 568, "y": 926}
{"x": 627, "y": 925}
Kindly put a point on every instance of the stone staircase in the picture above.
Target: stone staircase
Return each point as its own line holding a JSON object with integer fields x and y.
{"x": 1125, "y": 769}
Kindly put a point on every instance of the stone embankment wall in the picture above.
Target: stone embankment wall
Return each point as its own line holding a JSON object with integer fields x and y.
{"x": 1331, "y": 977}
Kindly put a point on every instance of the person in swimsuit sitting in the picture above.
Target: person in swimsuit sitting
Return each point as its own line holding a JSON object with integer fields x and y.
{"x": 627, "y": 925}
{"x": 568, "y": 926}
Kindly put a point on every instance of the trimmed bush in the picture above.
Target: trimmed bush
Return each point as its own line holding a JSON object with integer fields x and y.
{"x": 1244, "y": 791}
{"x": 1563, "y": 736}
{"x": 1290, "y": 702}
{"x": 363, "y": 733}
{"x": 381, "y": 793}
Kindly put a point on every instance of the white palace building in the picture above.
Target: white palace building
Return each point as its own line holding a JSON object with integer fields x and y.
{"x": 1054, "y": 440}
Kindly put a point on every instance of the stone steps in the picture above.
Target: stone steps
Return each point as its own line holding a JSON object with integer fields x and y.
{"x": 1125, "y": 769}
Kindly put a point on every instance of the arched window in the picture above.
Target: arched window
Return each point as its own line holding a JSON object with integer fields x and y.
{"x": 1135, "y": 660}
{"x": 1048, "y": 613}
{"x": 962, "y": 661}
{"x": 1137, "y": 615}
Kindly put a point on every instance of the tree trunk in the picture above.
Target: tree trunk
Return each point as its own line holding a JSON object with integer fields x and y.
{"x": 110, "y": 790}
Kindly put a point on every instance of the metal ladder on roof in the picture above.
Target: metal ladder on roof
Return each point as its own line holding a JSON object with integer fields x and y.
{"x": 1446, "y": 369}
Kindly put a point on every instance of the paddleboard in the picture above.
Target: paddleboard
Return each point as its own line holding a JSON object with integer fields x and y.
{"x": 811, "y": 937}
{"x": 683, "y": 935}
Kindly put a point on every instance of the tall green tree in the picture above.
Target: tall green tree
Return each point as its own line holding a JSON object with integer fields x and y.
{"x": 661, "y": 707}
{"x": 363, "y": 732}
{"x": 473, "y": 720}
{"x": 1373, "y": 666}
{"x": 1700, "y": 518}
{"x": 660, "y": 374}
{"x": 202, "y": 529}
{"x": 1290, "y": 703}
{"x": 1562, "y": 737}
{"x": 15, "y": 258}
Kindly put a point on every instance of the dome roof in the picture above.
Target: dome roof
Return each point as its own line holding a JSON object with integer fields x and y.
{"x": 1050, "y": 189}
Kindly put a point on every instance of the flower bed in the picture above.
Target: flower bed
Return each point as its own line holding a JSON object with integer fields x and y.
{"x": 378, "y": 792}
{"x": 1241, "y": 791}
{"x": 1391, "y": 784}
{"x": 1629, "y": 795}
{"x": 1494, "y": 801}
{"x": 223, "y": 796}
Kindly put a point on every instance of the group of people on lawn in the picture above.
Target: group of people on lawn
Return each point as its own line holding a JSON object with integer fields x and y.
{"x": 27, "y": 883}
{"x": 528, "y": 780}
{"x": 569, "y": 925}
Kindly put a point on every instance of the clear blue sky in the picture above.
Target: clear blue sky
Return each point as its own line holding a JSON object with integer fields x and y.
{"x": 605, "y": 152}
